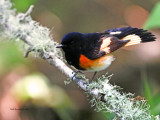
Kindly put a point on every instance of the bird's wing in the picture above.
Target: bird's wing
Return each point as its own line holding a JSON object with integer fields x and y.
{"x": 104, "y": 45}
{"x": 135, "y": 35}
{"x": 111, "y": 43}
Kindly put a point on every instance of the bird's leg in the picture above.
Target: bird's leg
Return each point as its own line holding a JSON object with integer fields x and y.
{"x": 93, "y": 76}
{"x": 76, "y": 72}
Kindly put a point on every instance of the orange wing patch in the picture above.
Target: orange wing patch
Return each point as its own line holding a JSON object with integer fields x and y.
{"x": 105, "y": 43}
{"x": 110, "y": 44}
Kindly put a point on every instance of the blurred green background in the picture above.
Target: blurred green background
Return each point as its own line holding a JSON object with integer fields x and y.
{"x": 38, "y": 89}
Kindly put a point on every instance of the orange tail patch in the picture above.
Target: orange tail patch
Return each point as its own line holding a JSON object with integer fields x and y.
{"x": 135, "y": 35}
{"x": 134, "y": 39}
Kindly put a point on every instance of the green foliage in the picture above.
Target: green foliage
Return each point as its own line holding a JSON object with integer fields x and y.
{"x": 152, "y": 98}
{"x": 10, "y": 56}
{"x": 22, "y": 5}
{"x": 109, "y": 116}
{"x": 147, "y": 92}
{"x": 154, "y": 18}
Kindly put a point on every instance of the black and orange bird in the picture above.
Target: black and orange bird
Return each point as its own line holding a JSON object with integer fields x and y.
{"x": 92, "y": 51}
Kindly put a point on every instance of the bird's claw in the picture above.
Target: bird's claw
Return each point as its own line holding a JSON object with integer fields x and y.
{"x": 76, "y": 73}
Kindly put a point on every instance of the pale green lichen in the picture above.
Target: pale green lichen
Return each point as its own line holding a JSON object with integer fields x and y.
{"x": 121, "y": 104}
{"x": 15, "y": 27}
{"x": 78, "y": 75}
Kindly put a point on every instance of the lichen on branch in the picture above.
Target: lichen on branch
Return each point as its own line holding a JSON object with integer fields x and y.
{"x": 21, "y": 27}
{"x": 37, "y": 39}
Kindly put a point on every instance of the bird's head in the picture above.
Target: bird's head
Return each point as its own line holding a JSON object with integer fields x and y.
{"x": 70, "y": 40}
{"x": 71, "y": 45}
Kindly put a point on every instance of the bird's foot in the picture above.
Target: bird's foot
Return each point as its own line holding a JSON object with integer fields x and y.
{"x": 76, "y": 73}
{"x": 93, "y": 77}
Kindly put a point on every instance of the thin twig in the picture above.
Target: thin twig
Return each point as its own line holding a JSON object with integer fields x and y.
{"x": 29, "y": 11}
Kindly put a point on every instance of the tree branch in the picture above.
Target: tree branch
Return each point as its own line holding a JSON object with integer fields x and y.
{"x": 37, "y": 39}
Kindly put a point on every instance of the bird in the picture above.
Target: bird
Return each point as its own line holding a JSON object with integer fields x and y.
{"x": 92, "y": 52}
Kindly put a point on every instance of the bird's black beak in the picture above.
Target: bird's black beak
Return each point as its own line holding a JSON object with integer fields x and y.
{"x": 60, "y": 46}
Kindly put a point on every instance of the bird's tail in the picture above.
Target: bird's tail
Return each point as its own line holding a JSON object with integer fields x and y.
{"x": 135, "y": 35}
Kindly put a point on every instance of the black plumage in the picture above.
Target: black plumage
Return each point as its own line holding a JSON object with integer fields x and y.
{"x": 89, "y": 45}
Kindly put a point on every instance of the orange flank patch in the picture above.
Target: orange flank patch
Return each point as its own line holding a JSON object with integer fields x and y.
{"x": 97, "y": 64}
{"x": 134, "y": 39}
{"x": 85, "y": 62}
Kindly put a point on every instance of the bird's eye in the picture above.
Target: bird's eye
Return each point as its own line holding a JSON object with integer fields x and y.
{"x": 72, "y": 42}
